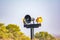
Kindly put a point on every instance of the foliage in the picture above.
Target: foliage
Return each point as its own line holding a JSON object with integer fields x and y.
{"x": 23, "y": 37}
{"x": 11, "y": 32}
{"x": 44, "y": 36}
{"x": 3, "y": 31}
{"x": 13, "y": 28}
{"x": 1, "y": 24}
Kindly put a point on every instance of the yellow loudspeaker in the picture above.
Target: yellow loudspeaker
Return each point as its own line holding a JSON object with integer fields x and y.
{"x": 39, "y": 19}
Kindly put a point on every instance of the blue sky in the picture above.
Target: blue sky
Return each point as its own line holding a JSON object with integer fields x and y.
{"x": 12, "y": 11}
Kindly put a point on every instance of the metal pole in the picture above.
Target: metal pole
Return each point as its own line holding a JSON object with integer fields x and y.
{"x": 32, "y": 32}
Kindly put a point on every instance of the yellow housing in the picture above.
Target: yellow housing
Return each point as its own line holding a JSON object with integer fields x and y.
{"x": 39, "y": 19}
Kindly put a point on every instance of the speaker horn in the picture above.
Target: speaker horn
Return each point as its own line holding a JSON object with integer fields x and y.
{"x": 27, "y": 18}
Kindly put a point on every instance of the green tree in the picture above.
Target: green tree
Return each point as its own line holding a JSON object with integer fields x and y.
{"x": 37, "y": 35}
{"x": 13, "y": 28}
{"x": 1, "y": 24}
{"x": 44, "y": 36}
{"x": 11, "y": 32}
{"x": 3, "y": 31}
{"x": 24, "y": 37}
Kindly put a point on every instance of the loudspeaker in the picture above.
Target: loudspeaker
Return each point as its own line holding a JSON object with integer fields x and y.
{"x": 27, "y": 18}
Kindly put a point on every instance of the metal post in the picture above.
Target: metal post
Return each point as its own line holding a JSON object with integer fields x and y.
{"x": 32, "y": 32}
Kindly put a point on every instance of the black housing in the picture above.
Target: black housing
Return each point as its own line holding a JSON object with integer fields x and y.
{"x": 27, "y": 19}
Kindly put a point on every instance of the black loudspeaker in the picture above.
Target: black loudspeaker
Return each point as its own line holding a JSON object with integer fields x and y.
{"x": 27, "y": 18}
